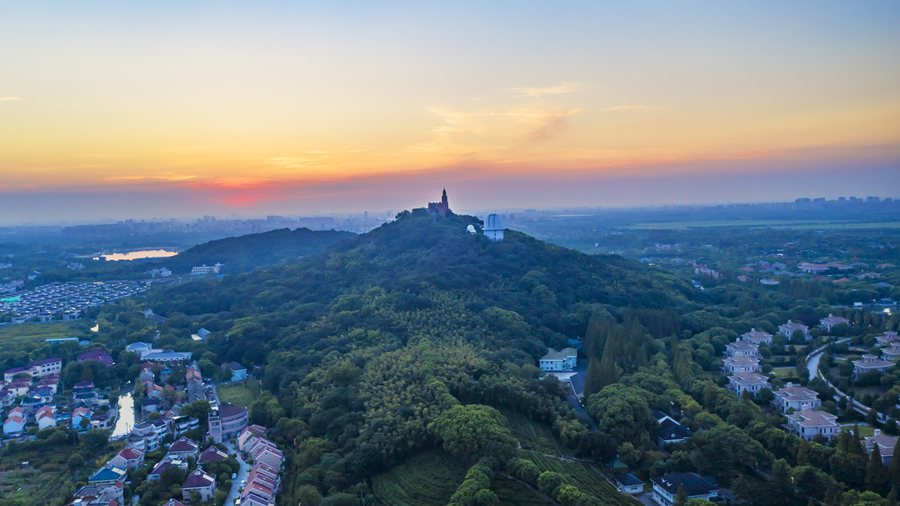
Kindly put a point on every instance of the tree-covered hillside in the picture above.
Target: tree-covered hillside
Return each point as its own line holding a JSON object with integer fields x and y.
{"x": 247, "y": 252}
{"x": 367, "y": 344}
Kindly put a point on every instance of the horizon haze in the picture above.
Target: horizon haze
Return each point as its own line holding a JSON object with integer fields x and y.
{"x": 174, "y": 110}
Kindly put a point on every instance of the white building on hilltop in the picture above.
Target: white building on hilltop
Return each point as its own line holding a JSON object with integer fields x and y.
{"x": 493, "y": 228}
{"x": 563, "y": 360}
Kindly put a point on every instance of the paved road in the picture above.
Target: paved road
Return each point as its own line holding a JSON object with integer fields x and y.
{"x": 235, "y": 493}
{"x": 812, "y": 364}
{"x": 576, "y": 403}
{"x": 578, "y": 379}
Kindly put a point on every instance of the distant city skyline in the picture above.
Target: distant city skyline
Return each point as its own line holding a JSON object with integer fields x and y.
{"x": 114, "y": 111}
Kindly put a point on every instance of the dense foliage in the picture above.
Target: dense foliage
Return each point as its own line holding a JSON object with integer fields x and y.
{"x": 367, "y": 345}
{"x": 247, "y": 252}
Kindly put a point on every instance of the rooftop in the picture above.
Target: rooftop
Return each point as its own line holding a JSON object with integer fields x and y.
{"x": 694, "y": 484}
{"x": 561, "y": 354}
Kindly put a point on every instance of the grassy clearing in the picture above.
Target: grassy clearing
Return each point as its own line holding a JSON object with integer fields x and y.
{"x": 864, "y": 430}
{"x": 582, "y": 476}
{"x": 240, "y": 394}
{"x": 426, "y": 479}
{"x": 534, "y": 436}
{"x": 784, "y": 373}
{"x": 33, "y": 334}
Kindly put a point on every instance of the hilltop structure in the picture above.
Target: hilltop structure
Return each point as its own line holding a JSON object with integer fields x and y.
{"x": 493, "y": 228}
{"x": 442, "y": 207}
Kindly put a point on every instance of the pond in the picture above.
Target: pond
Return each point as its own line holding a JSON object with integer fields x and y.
{"x": 126, "y": 416}
{"x": 136, "y": 255}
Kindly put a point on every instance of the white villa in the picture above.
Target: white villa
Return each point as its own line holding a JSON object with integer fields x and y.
{"x": 665, "y": 487}
{"x": 809, "y": 424}
{"x": 797, "y": 398}
{"x": 888, "y": 337}
{"x": 741, "y": 349}
{"x": 788, "y": 329}
{"x": 891, "y": 353}
{"x": 870, "y": 363}
{"x": 563, "y": 360}
{"x": 885, "y": 446}
{"x": 832, "y": 321}
{"x": 740, "y": 364}
{"x": 751, "y": 381}
{"x": 757, "y": 337}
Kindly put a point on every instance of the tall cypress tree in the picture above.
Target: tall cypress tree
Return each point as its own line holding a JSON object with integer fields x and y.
{"x": 593, "y": 381}
{"x": 853, "y": 446}
{"x": 680, "y": 496}
{"x": 876, "y": 475}
{"x": 595, "y": 337}
{"x": 608, "y": 373}
{"x": 894, "y": 468}
{"x": 681, "y": 366}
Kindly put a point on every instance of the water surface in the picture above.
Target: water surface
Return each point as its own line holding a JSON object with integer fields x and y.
{"x": 135, "y": 255}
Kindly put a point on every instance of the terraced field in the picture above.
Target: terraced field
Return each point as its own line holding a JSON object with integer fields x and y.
{"x": 430, "y": 478}
{"x": 534, "y": 436}
{"x": 538, "y": 443}
{"x": 427, "y": 479}
{"x": 513, "y": 493}
{"x": 581, "y": 476}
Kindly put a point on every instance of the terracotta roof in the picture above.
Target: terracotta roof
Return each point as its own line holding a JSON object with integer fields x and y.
{"x": 198, "y": 479}
{"x": 183, "y": 445}
{"x": 212, "y": 454}
{"x": 130, "y": 453}
{"x": 793, "y": 393}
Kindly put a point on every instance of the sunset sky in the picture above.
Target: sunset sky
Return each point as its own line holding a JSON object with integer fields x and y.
{"x": 168, "y": 109}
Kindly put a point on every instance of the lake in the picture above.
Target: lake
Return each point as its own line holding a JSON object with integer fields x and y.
{"x": 136, "y": 255}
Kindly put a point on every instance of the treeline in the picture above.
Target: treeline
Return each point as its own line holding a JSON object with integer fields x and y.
{"x": 248, "y": 252}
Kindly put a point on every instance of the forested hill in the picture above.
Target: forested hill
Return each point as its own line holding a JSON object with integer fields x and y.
{"x": 247, "y": 252}
{"x": 365, "y": 345}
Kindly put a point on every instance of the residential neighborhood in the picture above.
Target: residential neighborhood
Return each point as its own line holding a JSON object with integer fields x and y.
{"x": 63, "y": 301}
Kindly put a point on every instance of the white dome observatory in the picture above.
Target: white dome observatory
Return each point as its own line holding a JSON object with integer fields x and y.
{"x": 470, "y": 229}
{"x": 493, "y": 228}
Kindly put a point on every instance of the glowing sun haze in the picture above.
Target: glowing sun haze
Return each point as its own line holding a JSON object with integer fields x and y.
{"x": 172, "y": 108}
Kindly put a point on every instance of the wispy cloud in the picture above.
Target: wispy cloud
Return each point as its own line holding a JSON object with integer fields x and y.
{"x": 559, "y": 89}
{"x": 633, "y": 108}
{"x": 168, "y": 176}
{"x": 125, "y": 178}
{"x": 468, "y": 132}
{"x": 165, "y": 176}
{"x": 10, "y": 99}
{"x": 551, "y": 125}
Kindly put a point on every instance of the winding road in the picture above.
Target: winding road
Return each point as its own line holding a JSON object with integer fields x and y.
{"x": 812, "y": 364}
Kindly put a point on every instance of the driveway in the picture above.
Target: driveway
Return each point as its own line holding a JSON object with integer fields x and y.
{"x": 235, "y": 493}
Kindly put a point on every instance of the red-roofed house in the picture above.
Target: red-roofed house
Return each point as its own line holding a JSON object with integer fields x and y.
{"x": 212, "y": 454}
{"x": 15, "y": 422}
{"x": 129, "y": 458}
{"x": 183, "y": 448}
{"x": 46, "y": 417}
{"x": 98, "y": 355}
{"x": 36, "y": 369}
{"x": 78, "y": 415}
{"x": 165, "y": 463}
{"x": 249, "y": 432}
{"x": 265, "y": 451}
{"x": 199, "y": 482}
